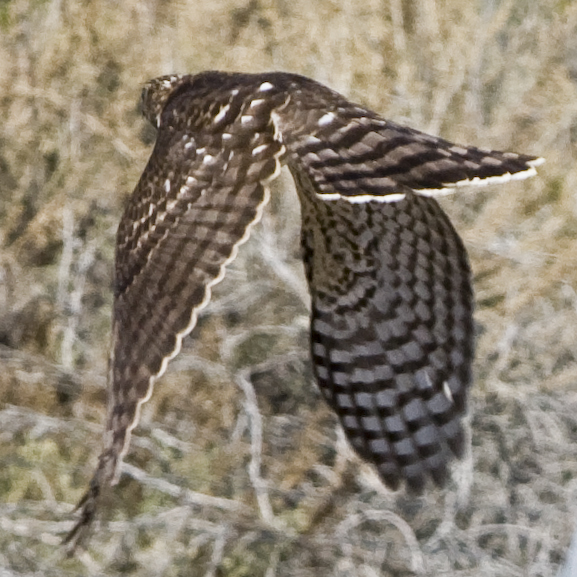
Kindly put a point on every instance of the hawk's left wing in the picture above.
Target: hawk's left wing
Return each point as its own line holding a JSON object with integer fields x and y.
{"x": 201, "y": 192}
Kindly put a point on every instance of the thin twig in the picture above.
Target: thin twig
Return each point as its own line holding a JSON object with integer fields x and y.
{"x": 255, "y": 419}
{"x": 186, "y": 495}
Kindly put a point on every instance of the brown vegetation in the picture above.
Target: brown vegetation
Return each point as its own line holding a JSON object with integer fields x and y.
{"x": 201, "y": 495}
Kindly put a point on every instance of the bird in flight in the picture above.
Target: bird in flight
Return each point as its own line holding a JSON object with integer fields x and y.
{"x": 392, "y": 335}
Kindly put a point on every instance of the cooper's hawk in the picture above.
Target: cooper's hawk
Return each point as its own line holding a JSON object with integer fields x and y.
{"x": 391, "y": 326}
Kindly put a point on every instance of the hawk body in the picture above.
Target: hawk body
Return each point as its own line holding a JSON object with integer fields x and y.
{"x": 391, "y": 323}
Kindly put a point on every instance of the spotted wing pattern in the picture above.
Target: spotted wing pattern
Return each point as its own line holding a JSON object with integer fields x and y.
{"x": 391, "y": 326}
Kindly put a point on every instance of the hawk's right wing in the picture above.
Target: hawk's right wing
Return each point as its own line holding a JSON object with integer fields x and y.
{"x": 392, "y": 331}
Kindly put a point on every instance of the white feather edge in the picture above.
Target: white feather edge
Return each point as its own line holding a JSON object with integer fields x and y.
{"x": 193, "y": 318}
{"x": 448, "y": 187}
{"x": 362, "y": 198}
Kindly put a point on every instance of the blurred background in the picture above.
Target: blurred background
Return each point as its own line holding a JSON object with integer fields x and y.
{"x": 237, "y": 467}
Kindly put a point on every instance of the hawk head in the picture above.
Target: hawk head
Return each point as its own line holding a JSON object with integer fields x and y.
{"x": 155, "y": 94}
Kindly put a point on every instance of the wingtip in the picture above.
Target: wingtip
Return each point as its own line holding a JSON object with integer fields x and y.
{"x": 87, "y": 506}
{"x": 536, "y": 162}
{"x": 522, "y": 175}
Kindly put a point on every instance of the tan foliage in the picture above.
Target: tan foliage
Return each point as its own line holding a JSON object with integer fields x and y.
{"x": 201, "y": 494}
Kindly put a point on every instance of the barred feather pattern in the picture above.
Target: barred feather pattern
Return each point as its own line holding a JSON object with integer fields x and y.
{"x": 391, "y": 330}
{"x": 391, "y": 326}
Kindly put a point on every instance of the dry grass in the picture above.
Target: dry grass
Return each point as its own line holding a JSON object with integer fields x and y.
{"x": 218, "y": 483}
